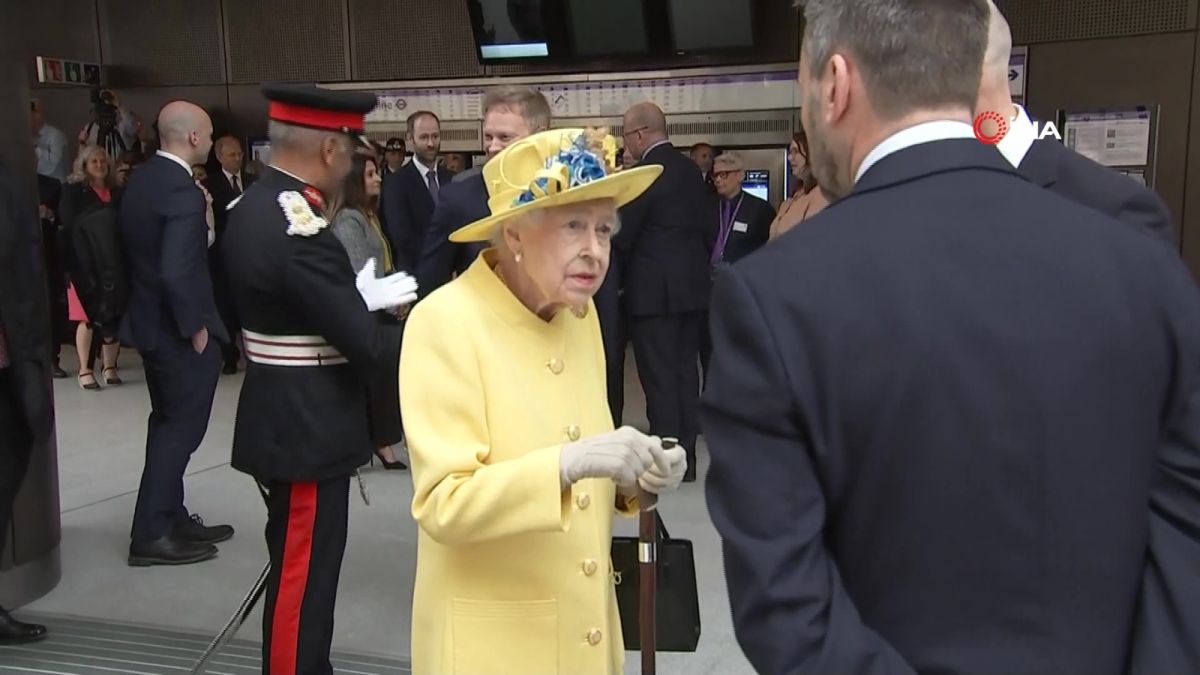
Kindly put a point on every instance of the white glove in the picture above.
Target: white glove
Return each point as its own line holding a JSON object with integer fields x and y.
{"x": 657, "y": 481}
{"x": 623, "y": 455}
{"x": 390, "y": 291}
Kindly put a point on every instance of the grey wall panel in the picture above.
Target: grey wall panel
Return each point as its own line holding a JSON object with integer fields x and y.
{"x": 286, "y": 40}
{"x": 249, "y": 109}
{"x": 1055, "y": 20}
{"x": 412, "y": 39}
{"x": 64, "y": 29}
{"x": 1123, "y": 72}
{"x": 162, "y": 42}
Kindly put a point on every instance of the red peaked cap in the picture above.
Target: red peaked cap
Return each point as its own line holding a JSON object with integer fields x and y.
{"x": 308, "y": 105}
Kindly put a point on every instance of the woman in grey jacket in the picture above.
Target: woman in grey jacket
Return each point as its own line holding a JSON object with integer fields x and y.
{"x": 356, "y": 224}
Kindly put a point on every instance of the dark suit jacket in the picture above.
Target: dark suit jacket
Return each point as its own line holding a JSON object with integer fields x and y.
{"x": 23, "y": 306}
{"x": 406, "y": 210}
{"x": 460, "y": 203}
{"x": 756, "y": 214}
{"x": 664, "y": 240}
{"x": 165, "y": 240}
{"x": 1052, "y": 165}
{"x": 946, "y": 417}
{"x": 78, "y": 200}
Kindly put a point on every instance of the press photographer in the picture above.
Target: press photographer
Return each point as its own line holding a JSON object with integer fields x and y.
{"x": 112, "y": 127}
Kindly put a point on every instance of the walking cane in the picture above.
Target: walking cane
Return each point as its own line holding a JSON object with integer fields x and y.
{"x": 648, "y": 563}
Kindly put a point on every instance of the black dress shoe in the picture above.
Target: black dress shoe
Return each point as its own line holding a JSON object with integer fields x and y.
{"x": 689, "y": 476}
{"x": 230, "y": 368}
{"x": 169, "y": 550}
{"x": 195, "y": 531}
{"x": 13, "y": 632}
{"x": 58, "y": 372}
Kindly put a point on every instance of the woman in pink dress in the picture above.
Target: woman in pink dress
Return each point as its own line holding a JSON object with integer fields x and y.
{"x": 91, "y": 186}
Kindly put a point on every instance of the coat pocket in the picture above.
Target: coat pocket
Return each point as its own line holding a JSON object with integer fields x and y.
{"x": 505, "y": 637}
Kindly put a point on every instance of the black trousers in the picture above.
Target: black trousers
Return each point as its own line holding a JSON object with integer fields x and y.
{"x": 706, "y": 349}
{"x": 667, "y": 348}
{"x": 16, "y": 445}
{"x": 306, "y": 538}
{"x": 614, "y": 335}
{"x": 182, "y": 384}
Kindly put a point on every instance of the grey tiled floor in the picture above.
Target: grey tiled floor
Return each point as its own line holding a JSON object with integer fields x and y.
{"x": 101, "y": 439}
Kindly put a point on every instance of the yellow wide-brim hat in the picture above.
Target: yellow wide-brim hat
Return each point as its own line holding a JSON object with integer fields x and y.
{"x": 554, "y": 168}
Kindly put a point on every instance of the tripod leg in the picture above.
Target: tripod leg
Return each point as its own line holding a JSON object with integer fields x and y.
{"x": 235, "y": 622}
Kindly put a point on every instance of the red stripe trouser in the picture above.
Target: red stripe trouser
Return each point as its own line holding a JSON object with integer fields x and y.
{"x": 306, "y": 537}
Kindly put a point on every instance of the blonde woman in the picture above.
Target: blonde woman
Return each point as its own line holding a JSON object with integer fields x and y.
{"x": 90, "y": 186}
{"x": 516, "y": 466}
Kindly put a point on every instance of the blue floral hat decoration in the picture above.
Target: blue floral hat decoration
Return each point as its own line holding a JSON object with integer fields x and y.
{"x": 555, "y": 168}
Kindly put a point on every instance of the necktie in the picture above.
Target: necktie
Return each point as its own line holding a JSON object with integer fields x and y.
{"x": 5, "y": 361}
{"x": 431, "y": 178}
{"x": 237, "y": 185}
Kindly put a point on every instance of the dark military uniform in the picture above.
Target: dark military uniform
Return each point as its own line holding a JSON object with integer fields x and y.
{"x": 301, "y": 428}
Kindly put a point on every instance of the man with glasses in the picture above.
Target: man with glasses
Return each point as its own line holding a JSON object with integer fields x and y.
{"x": 664, "y": 246}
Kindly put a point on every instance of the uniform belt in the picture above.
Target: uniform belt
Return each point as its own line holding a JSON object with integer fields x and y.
{"x": 296, "y": 351}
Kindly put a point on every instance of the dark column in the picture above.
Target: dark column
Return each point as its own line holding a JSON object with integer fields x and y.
{"x": 29, "y": 564}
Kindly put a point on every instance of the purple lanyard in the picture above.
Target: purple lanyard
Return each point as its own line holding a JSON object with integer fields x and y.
{"x": 728, "y": 211}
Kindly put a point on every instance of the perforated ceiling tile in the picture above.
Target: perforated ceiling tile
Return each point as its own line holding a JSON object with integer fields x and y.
{"x": 412, "y": 39}
{"x": 1054, "y": 20}
{"x": 169, "y": 42}
{"x": 286, "y": 40}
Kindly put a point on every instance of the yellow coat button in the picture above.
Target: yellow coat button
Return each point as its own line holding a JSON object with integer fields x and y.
{"x": 583, "y": 501}
{"x": 589, "y": 567}
{"x": 594, "y": 637}
{"x": 573, "y": 432}
{"x": 555, "y": 366}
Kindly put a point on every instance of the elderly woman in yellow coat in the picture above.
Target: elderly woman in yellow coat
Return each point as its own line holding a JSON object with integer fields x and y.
{"x": 516, "y": 466}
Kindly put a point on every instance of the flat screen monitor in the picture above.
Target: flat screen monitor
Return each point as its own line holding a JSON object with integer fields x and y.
{"x": 758, "y": 183}
{"x": 607, "y": 28}
{"x": 508, "y": 30}
{"x": 712, "y": 25}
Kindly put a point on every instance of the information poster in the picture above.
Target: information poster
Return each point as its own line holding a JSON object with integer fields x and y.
{"x": 1016, "y": 73}
{"x": 1111, "y": 137}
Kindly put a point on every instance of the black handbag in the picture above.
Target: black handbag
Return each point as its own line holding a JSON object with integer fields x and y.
{"x": 676, "y": 603}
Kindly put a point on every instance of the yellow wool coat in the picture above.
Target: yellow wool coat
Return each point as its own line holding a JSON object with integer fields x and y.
{"x": 513, "y": 573}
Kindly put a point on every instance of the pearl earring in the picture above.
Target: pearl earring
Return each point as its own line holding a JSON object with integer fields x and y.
{"x": 518, "y": 258}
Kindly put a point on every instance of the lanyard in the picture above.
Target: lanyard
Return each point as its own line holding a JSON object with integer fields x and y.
{"x": 726, "y": 227}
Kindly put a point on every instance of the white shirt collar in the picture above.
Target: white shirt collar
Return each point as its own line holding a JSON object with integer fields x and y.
{"x": 424, "y": 170}
{"x": 229, "y": 176}
{"x": 177, "y": 159}
{"x": 1019, "y": 139}
{"x": 926, "y": 132}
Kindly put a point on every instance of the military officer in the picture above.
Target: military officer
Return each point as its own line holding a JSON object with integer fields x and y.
{"x": 312, "y": 344}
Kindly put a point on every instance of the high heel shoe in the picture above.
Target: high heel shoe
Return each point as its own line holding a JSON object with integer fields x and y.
{"x": 113, "y": 379}
{"x": 88, "y": 386}
{"x": 389, "y": 466}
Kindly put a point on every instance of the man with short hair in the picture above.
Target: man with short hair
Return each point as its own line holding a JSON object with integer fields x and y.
{"x": 394, "y": 152}
{"x": 411, "y": 194}
{"x": 313, "y": 345}
{"x": 1049, "y": 163}
{"x": 52, "y": 157}
{"x": 226, "y": 186}
{"x": 953, "y": 417}
{"x": 664, "y": 244}
{"x": 743, "y": 224}
{"x": 173, "y": 322}
{"x": 702, "y": 154}
{"x": 509, "y": 114}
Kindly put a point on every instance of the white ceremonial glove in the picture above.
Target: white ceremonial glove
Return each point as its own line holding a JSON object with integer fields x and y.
{"x": 657, "y": 481}
{"x": 622, "y": 455}
{"x": 391, "y": 291}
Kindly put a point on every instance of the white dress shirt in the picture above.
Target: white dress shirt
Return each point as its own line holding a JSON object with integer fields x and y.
{"x": 926, "y": 132}
{"x": 425, "y": 171}
{"x": 1019, "y": 139}
{"x": 241, "y": 184}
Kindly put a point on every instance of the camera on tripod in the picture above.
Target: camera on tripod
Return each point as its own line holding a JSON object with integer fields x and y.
{"x": 105, "y": 118}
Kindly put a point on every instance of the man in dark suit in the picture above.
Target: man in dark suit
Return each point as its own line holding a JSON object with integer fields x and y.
{"x": 26, "y": 418}
{"x": 742, "y": 223}
{"x": 948, "y": 415}
{"x": 509, "y": 114}
{"x": 225, "y": 186}
{"x": 1049, "y": 163}
{"x": 49, "y": 193}
{"x": 173, "y": 321}
{"x": 412, "y": 192}
{"x": 664, "y": 246}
